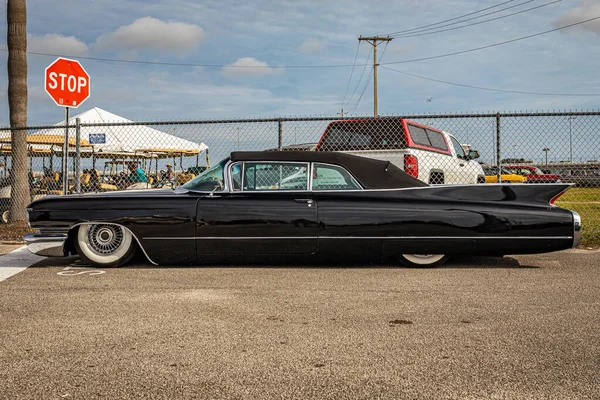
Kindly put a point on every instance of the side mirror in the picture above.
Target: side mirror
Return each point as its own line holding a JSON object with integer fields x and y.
{"x": 473, "y": 154}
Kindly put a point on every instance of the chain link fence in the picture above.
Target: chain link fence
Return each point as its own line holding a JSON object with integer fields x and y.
{"x": 116, "y": 154}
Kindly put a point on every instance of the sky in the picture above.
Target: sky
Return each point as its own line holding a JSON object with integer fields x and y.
{"x": 254, "y": 48}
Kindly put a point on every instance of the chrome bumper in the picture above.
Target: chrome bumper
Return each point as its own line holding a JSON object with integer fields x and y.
{"x": 46, "y": 245}
{"x": 576, "y": 229}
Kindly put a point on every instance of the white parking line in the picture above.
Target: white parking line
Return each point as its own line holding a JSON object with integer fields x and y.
{"x": 16, "y": 261}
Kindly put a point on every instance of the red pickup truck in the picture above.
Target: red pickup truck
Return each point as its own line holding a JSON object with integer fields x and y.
{"x": 534, "y": 174}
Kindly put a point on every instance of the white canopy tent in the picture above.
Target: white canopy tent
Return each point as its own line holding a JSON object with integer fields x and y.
{"x": 123, "y": 138}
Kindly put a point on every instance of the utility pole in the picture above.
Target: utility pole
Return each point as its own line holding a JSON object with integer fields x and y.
{"x": 373, "y": 42}
{"x": 546, "y": 150}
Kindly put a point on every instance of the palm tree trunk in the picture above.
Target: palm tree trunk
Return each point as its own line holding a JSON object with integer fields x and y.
{"x": 16, "y": 16}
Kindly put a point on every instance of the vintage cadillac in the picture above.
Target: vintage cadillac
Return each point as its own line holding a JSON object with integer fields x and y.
{"x": 298, "y": 207}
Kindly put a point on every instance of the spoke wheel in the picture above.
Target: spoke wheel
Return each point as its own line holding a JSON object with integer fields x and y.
{"x": 423, "y": 260}
{"x": 105, "y": 245}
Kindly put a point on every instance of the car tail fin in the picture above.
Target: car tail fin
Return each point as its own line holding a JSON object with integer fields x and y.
{"x": 411, "y": 165}
{"x": 553, "y": 199}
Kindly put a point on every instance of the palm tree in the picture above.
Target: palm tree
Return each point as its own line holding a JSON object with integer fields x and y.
{"x": 16, "y": 39}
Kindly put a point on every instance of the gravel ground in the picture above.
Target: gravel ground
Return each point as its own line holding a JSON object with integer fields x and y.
{"x": 521, "y": 327}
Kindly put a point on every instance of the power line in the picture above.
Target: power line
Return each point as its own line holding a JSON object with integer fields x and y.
{"x": 174, "y": 64}
{"x": 451, "y": 19}
{"x": 351, "y": 73}
{"x": 492, "y": 45}
{"x": 493, "y": 90}
{"x": 477, "y": 23}
{"x": 363, "y": 91}
{"x": 464, "y": 20}
{"x": 361, "y": 76}
{"x": 306, "y": 66}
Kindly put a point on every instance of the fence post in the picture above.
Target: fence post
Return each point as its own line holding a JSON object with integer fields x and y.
{"x": 280, "y": 138}
{"x": 498, "y": 152}
{"x": 77, "y": 155}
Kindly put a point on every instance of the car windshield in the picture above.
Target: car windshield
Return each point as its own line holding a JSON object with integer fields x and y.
{"x": 209, "y": 179}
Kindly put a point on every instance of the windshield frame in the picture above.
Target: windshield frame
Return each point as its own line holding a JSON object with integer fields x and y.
{"x": 224, "y": 165}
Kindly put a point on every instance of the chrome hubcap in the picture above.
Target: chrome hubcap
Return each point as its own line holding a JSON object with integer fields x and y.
{"x": 104, "y": 239}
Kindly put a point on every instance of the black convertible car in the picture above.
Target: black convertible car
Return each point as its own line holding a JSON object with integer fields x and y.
{"x": 304, "y": 206}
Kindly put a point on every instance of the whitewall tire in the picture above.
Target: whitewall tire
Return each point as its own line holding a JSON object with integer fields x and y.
{"x": 422, "y": 260}
{"x": 5, "y": 216}
{"x": 105, "y": 245}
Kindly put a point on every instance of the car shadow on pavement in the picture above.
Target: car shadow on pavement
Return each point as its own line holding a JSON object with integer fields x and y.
{"x": 458, "y": 262}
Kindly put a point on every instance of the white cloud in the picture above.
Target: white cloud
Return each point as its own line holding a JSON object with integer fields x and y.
{"x": 152, "y": 33}
{"x": 312, "y": 45}
{"x": 247, "y": 66}
{"x": 587, "y": 9}
{"x": 54, "y": 43}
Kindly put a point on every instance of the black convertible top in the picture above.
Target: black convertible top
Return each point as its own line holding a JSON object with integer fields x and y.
{"x": 371, "y": 173}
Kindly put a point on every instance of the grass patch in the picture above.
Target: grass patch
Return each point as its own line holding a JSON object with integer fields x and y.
{"x": 590, "y": 219}
{"x": 581, "y": 194}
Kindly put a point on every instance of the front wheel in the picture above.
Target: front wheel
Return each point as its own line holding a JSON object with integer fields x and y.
{"x": 105, "y": 245}
{"x": 423, "y": 260}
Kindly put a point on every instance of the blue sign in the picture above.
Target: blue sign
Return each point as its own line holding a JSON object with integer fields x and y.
{"x": 97, "y": 138}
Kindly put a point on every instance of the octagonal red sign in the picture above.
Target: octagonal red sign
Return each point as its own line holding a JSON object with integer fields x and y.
{"x": 67, "y": 82}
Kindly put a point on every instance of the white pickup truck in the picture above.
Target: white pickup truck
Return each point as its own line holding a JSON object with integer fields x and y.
{"x": 427, "y": 153}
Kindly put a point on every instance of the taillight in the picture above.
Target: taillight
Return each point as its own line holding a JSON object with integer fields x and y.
{"x": 411, "y": 165}
{"x": 552, "y": 200}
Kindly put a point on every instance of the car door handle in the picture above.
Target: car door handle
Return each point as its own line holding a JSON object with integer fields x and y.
{"x": 307, "y": 201}
{"x": 462, "y": 165}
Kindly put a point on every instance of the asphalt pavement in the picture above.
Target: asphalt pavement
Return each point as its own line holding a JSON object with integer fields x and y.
{"x": 522, "y": 327}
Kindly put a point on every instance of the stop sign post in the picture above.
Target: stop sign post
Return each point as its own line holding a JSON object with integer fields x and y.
{"x": 68, "y": 84}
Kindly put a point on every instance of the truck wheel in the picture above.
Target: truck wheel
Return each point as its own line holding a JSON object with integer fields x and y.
{"x": 436, "y": 178}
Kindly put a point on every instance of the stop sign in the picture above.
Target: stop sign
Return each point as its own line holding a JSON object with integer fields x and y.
{"x": 67, "y": 82}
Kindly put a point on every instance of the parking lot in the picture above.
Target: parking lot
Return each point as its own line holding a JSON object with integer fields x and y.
{"x": 517, "y": 327}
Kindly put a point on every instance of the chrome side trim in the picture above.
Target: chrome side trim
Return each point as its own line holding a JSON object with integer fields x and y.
{"x": 46, "y": 245}
{"x": 355, "y": 237}
{"x": 576, "y": 229}
{"x": 124, "y": 227}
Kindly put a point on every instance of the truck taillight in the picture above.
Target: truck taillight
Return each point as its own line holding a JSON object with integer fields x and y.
{"x": 411, "y": 165}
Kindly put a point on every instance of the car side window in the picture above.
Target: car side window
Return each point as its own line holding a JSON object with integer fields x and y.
{"x": 460, "y": 152}
{"x": 419, "y": 135}
{"x": 332, "y": 177}
{"x": 437, "y": 140}
{"x": 274, "y": 176}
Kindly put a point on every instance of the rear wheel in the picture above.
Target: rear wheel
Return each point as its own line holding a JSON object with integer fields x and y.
{"x": 423, "y": 260}
{"x": 105, "y": 245}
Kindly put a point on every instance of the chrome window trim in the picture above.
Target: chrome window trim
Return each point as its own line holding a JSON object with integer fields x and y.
{"x": 230, "y": 164}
